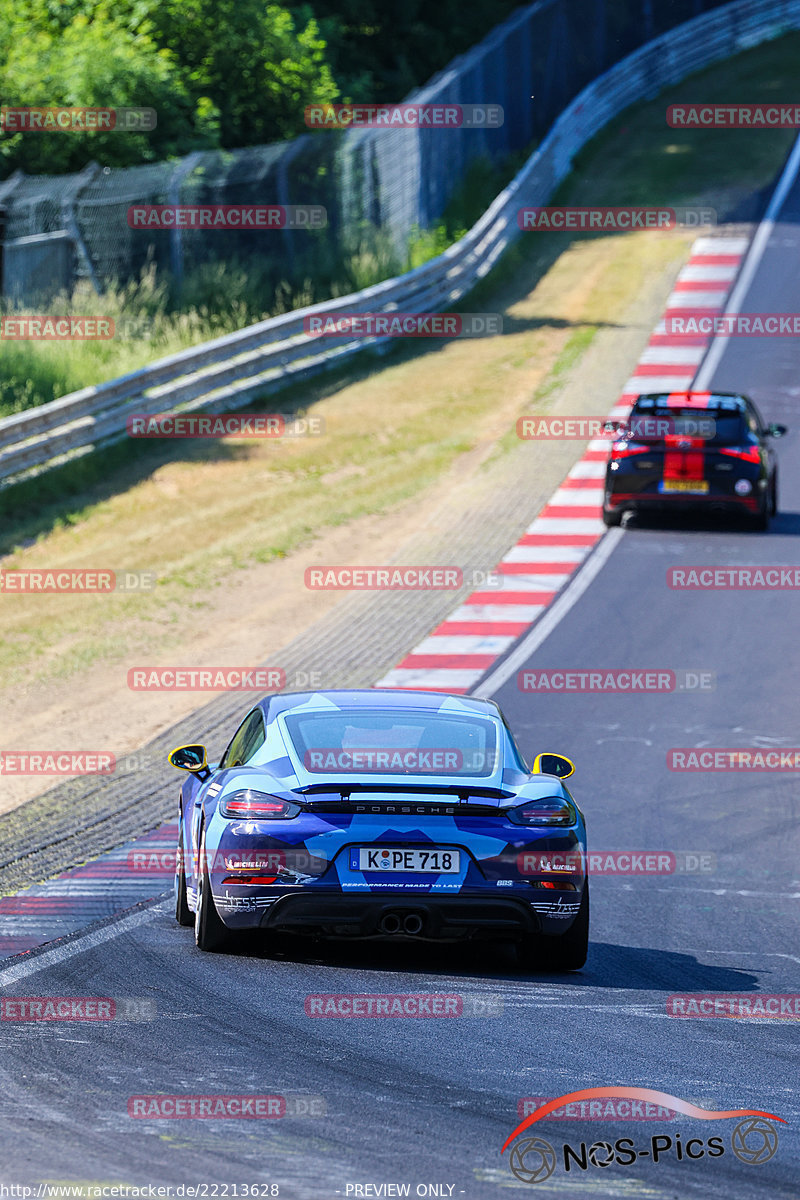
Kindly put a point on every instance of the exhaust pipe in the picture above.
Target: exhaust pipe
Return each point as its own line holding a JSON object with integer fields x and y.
{"x": 390, "y": 923}
{"x": 412, "y": 923}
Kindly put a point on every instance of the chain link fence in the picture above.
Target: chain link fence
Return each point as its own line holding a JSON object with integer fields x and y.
{"x": 372, "y": 182}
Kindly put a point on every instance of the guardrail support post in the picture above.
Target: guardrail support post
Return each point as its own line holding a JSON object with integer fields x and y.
{"x": 6, "y": 188}
{"x": 184, "y": 168}
{"x": 284, "y": 195}
{"x": 70, "y": 224}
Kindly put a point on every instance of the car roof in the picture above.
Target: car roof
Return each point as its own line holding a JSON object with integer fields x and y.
{"x": 704, "y": 401}
{"x": 388, "y": 698}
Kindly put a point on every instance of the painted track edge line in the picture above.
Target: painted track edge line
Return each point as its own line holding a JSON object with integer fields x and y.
{"x": 752, "y": 259}
{"x": 29, "y": 962}
{"x": 548, "y": 621}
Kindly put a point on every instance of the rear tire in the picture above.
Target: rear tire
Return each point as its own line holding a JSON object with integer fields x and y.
{"x": 760, "y": 522}
{"x": 612, "y": 518}
{"x": 183, "y": 914}
{"x": 565, "y": 953}
{"x": 209, "y": 931}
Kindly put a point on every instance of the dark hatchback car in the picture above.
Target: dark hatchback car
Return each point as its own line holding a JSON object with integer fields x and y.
{"x": 693, "y": 450}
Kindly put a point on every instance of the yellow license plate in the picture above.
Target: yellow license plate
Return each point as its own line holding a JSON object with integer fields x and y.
{"x": 696, "y": 486}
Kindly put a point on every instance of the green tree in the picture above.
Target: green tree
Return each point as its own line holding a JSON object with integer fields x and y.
{"x": 382, "y": 51}
{"x": 93, "y": 63}
{"x": 249, "y": 60}
{"x": 220, "y": 73}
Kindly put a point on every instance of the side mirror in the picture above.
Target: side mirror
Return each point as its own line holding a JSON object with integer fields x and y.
{"x": 612, "y": 426}
{"x": 190, "y": 758}
{"x": 776, "y": 430}
{"x": 553, "y": 764}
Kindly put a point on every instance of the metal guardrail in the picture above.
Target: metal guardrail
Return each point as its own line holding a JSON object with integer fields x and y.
{"x": 377, "y": 190}
{"x": 227, "y": 373}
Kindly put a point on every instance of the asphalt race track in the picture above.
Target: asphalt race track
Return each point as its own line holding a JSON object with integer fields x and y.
{"x": 429, "y": 1103}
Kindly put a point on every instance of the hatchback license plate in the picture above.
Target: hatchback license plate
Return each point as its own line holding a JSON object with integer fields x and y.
{"x": 418, "y": 862}
{"x": 697, "y": 487}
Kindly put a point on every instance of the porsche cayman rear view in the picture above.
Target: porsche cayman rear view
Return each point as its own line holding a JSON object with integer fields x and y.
{"x": 693, "y": 450}
{"x": 382, "y": 814}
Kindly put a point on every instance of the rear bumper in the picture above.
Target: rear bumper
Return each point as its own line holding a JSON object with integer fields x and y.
{"x": 433, "y": 917}
{"x": 660, "y": 502}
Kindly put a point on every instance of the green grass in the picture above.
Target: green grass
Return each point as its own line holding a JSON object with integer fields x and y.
{"x": 638, "y": 159}
{"x": 577, "y": 344}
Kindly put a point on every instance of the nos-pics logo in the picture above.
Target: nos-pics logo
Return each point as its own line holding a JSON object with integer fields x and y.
{"x": 753, "y": 1140}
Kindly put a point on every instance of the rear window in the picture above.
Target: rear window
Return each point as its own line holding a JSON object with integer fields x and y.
{"x": 402, "y": 743}
{"x": 714, "y": 426}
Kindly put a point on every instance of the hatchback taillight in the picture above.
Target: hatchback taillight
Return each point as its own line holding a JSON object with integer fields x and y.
{"x": 750, "y": 454}
{"x": 626, "y": 449}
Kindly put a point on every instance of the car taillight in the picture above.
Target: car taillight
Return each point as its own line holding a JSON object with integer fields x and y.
{"x": 624, "y": 449}
{"x": 257, "y": 806}
{"x": 746, "y": 453}
{"x": 555, "y": 810}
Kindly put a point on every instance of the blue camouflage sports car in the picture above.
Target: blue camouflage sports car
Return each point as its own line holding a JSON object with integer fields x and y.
{"x": 382, "y": 813}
